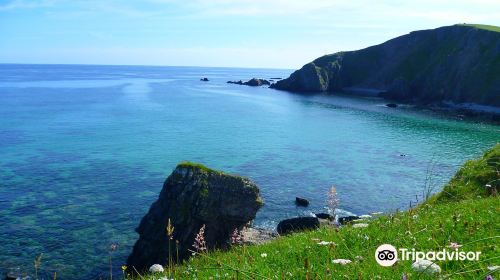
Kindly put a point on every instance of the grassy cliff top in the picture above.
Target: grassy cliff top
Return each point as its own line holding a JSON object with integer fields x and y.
{"x": 482, "y": 26}
{"x": 194, "y": 165}
{"x": 471, "y": 221}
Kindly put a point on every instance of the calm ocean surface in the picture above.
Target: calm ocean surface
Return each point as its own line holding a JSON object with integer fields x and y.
{"x": 84, "y": 151}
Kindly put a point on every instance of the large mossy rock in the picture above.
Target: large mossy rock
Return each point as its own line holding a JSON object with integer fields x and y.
{"x": 193, "y": 196}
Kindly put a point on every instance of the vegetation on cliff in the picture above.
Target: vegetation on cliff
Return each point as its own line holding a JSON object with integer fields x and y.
{"x": 458, "y": 63}
{"x": 442, "y": 222}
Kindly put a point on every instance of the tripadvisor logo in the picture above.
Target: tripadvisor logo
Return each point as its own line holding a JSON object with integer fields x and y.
{"x": 387, "y": 255}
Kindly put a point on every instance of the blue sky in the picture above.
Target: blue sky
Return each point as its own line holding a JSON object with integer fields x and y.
{"x": 244, "y": 33}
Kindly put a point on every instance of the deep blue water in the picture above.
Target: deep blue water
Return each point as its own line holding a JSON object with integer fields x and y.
{"x": 84, "y": 151}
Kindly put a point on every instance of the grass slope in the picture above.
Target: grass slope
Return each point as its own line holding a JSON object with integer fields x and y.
{"x": 483, "y": 26}
{"x": 463, "y": 213}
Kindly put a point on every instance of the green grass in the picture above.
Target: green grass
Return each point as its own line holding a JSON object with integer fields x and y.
{"x": 189, "y": 164}
{"x": 463, "y": 213}
{"x": 483, "y": 26}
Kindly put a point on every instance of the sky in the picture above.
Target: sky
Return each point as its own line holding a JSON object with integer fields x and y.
{"x": 223, "y": 33}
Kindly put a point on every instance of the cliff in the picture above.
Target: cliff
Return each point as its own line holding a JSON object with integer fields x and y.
{"x": 459, "y": 64}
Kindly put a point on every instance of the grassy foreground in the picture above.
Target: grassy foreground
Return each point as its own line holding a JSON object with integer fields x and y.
{"x": 465, "y": 212}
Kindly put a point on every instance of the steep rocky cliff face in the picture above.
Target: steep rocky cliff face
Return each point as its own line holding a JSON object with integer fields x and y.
{"x": 455, "y": 63}
{"x": 193, "y": 196}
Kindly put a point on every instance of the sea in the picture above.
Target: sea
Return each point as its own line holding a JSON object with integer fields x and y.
{"x": 85, "y": 149}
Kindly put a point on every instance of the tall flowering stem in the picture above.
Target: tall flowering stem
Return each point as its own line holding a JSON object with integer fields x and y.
{"x": 199, "y": 242}
{"x": 236, "y": 237}
{"x": 333, "y": 201}
{"x": 170, "y": 235}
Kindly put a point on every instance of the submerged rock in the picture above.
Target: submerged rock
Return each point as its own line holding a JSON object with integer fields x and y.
{"x": 297, "y": 224}
{"x": 299, "y": 201}
{"x": 204, "y": 79}
{"x": 391, "y": 105}
{"x": 193, "y": 196}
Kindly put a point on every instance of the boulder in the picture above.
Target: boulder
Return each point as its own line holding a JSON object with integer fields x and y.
{"x": 240, "y": 82}
{"x": 324, "y": 216}
{"x": 297, "y": 224}
{"x": 348, "y": 219}
{"x": 299, "y": 201}
{"x": 193, "y": 196}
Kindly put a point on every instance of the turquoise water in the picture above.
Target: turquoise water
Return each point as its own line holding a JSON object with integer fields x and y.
{"x": 84, "y": 151}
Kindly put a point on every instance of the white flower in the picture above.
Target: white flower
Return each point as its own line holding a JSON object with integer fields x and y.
{"x": 454, "y": 246}
{"x": 155, "y": 268}
{"x": 415, "y": 216}
{"x": 341, "y": 261}
{"x": 326, "y": 243}
{"x": 426, "y": 266}
{"x": 493, "y": 267}
{"x": 364, "y": 217}
{"x": 264, "y": 255}
{"x": 360, "y": 225}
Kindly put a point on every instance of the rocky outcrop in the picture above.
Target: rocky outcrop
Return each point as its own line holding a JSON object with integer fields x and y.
{"x": 457, "y": 63}
{"x": 193, "y": 196}
{"x": 297, "y": 224}
{"x": 254, "y": 82}
{"x": 299, "y": 201}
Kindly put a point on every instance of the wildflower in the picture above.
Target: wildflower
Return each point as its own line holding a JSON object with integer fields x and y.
{"x": 237, "y": 237}
{"x": 454, "y": 246}
{"x": 360, "y": 225}
{"x": 264, "y": 255}
{"x": 489, "y": 277}
{"x": 199, "y": 242}
{"x": 341, "y": 261}
{"x": 493, "y": 267}
{"x": 359, "y": 258}
{"x": 426, "y": 266}
{"x": 326, "y": 243}
{"x": 170, "y": 230}
{"x": 124, "y": 267}
{"x": 333, "y": 202}
{"x": 415, "y": 217}
{"x": 404, "y": 277}
{"x": 156, "y": 268}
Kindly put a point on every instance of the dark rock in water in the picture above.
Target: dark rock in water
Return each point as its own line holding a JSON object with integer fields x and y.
{"x": 276, "y": 78}
{"x": 348, "y": 219}
{"x": 324, "y": 216}
{"x": 204, "y": 79}
{"x": 193, "y": 196}
{"x": 240, "y": 82}
{"x": 297, "y": 224}
{"x": 253, "y": 82}
{"x": 391, "y": 105}
{"x": 299, "y": 201}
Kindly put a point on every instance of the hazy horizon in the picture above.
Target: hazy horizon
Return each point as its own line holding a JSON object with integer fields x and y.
{"x": 217, "y": 33}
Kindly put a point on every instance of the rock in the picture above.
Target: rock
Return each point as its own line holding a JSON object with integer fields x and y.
{"x": 297, "y": 224}
{"x": 240, "y": 82}
{"x": 347, "y": 219}
{"x": 324, "y": 216}
{"x": 391, "y": 105}
{"x": 255, "y": 236}
{"x": 253, "y": 82}
{"x": 299, "y": 201}
{"x": 276, "y": 78}
{"x": 257, "y": 82}
{"x": 204, "y": 79}
{"x": 193, "y": 196}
